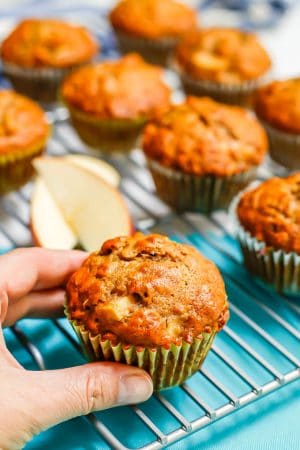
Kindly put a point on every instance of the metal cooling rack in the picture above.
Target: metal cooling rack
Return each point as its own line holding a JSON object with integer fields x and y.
{"x": 255, "y": 354}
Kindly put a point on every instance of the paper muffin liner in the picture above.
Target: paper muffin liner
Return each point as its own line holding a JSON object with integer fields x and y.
{"x": 167, "y": 367}
{"x": 206, "y": 193}
{"x": 155, "y": 51}
{"x": 284, "y": 147}
{"x": 108, "y": 135}
{"x": 40, "y": 84}
{"x": 277, "y": 268}
{"x": 235, "y": 94}
{"x": 16, "y": 168}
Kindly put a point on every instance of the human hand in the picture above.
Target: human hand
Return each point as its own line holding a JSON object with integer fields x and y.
{"x": 31, "y": 285}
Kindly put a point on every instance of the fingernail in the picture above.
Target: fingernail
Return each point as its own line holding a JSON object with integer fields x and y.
{"x": 134, "y": 389}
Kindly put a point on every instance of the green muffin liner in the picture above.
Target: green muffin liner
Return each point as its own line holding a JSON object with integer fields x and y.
{"x": 187, "y": 192}
{"x": 167, "y": 367}
{"x": 155, "y": 51}
{"x": 279, "y": 269}
{"x": 234, "y": 94}
{"x": 40, "y": 84}
{"x": 16, "y": 168}
{"x": 108, "y": 135}
{"x": 284, "y": 147}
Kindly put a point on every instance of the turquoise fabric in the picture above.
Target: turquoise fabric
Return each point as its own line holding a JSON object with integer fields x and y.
{"x": 269, "y": 423}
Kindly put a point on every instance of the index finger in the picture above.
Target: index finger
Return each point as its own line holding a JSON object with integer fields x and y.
{"x": 28, "y": 269}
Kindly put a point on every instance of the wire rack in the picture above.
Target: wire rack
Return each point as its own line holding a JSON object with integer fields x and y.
{"x": 255, "y": 354}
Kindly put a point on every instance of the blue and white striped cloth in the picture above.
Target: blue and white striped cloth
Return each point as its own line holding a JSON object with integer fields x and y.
{"x": 245, "y": 13}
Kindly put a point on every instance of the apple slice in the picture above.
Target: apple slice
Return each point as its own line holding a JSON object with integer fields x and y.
{"x": 49, "y": 228}
{"x": 97, "y": 166}
{"x": 93, "y": 209}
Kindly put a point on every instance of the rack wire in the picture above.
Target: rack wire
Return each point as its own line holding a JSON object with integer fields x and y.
{"x": 256, "y": 353}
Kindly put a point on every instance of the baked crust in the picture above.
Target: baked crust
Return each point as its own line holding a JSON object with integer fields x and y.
{"x": 127, "y": 88}
{"x": 23, "y": 123}
{"x": 148, "y": 291}
{"x": 278, "y": 103}
{"x": 223, "y": 55}
{"x": 271, "y": 213}
{"x": 153, "y": 18}
{"x": 202, "y": 136}
{"x": 39, "y": 43}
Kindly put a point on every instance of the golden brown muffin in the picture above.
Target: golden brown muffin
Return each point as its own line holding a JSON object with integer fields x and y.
{"x": 153, "y": 18}
{"x": 223, "y": 55}
{"x": 48, "y": 43}
{"x": 23, "y": 134}
{"x": 278, "y": 103}
{"x": 127, "y": 88}
{"x": 271, "y": 213}
{"x": 23, "y": 123}
{"x": 204, "y": 137}
{"x": 147, "y": 291}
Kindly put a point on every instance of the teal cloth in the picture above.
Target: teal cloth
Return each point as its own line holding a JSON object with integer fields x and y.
{"x": 269, "y": 423}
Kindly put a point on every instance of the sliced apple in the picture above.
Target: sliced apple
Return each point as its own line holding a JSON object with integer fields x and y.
{"x": 49, "y": 228}
{"x": 97, "y": 166}
{"x": 93, "y": 209}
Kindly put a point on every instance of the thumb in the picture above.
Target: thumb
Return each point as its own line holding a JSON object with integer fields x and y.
{"x": 58, "y": 395}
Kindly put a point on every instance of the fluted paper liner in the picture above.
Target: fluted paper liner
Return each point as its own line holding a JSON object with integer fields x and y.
{"x": 167, "y": 367}
{"x": 279, "y": 269}
{"x": 284, "y": 147}
{"x": 16, "y": 168}
{"x": 155, "y": 51}
{"x": 108, "y": 135}
{"x": 206, "y": 193}
{"x": 234, "y": 94}
{"x": 41, "y": 84}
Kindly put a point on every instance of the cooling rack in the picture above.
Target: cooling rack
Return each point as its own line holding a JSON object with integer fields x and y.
{"x": 255, "y": 354}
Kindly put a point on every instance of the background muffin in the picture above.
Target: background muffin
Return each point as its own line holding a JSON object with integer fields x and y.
{"x": 201, "y": 153}
{"x": 151, "y": 27}
{"x": 148, "y": 301}
{"x": 224, "y": 63}
{"x": 38, "y": 53}
{"x": 110, "y": 102}
{"x": 23, "y": 135}
{"x": 278, "y": 105}
{"x": 269, "y": 230}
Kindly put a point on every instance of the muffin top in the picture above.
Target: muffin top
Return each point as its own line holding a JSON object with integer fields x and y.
{"x": 23, "y": 123}
{"x": 222, "y": 55}
{"x": 278, "y": 103}
{"x": 271, "y": 213}
{"x": 153, "y": 19}
{"x": 48, "y": 43}
{"x": 148, "y": 291}
{"x": 123, "y": 89}
{"x": 204, "y": 137}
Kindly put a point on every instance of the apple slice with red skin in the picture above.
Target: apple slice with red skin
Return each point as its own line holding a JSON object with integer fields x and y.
{"x": 93, "y": 209}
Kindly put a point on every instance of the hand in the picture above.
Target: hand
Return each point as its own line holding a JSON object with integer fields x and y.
{"x": 31, "y": 285}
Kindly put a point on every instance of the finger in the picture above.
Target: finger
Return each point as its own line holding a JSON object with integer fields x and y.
{"x": 36, "y": 305}
{"x": 24, "y": 270}
{"x": 64, "y": 394}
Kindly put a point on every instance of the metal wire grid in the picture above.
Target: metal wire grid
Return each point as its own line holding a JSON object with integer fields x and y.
{"x": 212, "y": 236}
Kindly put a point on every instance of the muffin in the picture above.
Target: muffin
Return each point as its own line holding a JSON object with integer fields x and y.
{"x": 268, "y": 219}
{"x": 224, "y": 63}
{"x": 23, "y": 134}
{"x": 278, "y": 105}
{"x": 110, "y": 102}
{"x": 38, "y": 53}
{"x": 201, "y": 153}
{"x": 151, "y": 27}
{"x": 149, "y": 302}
